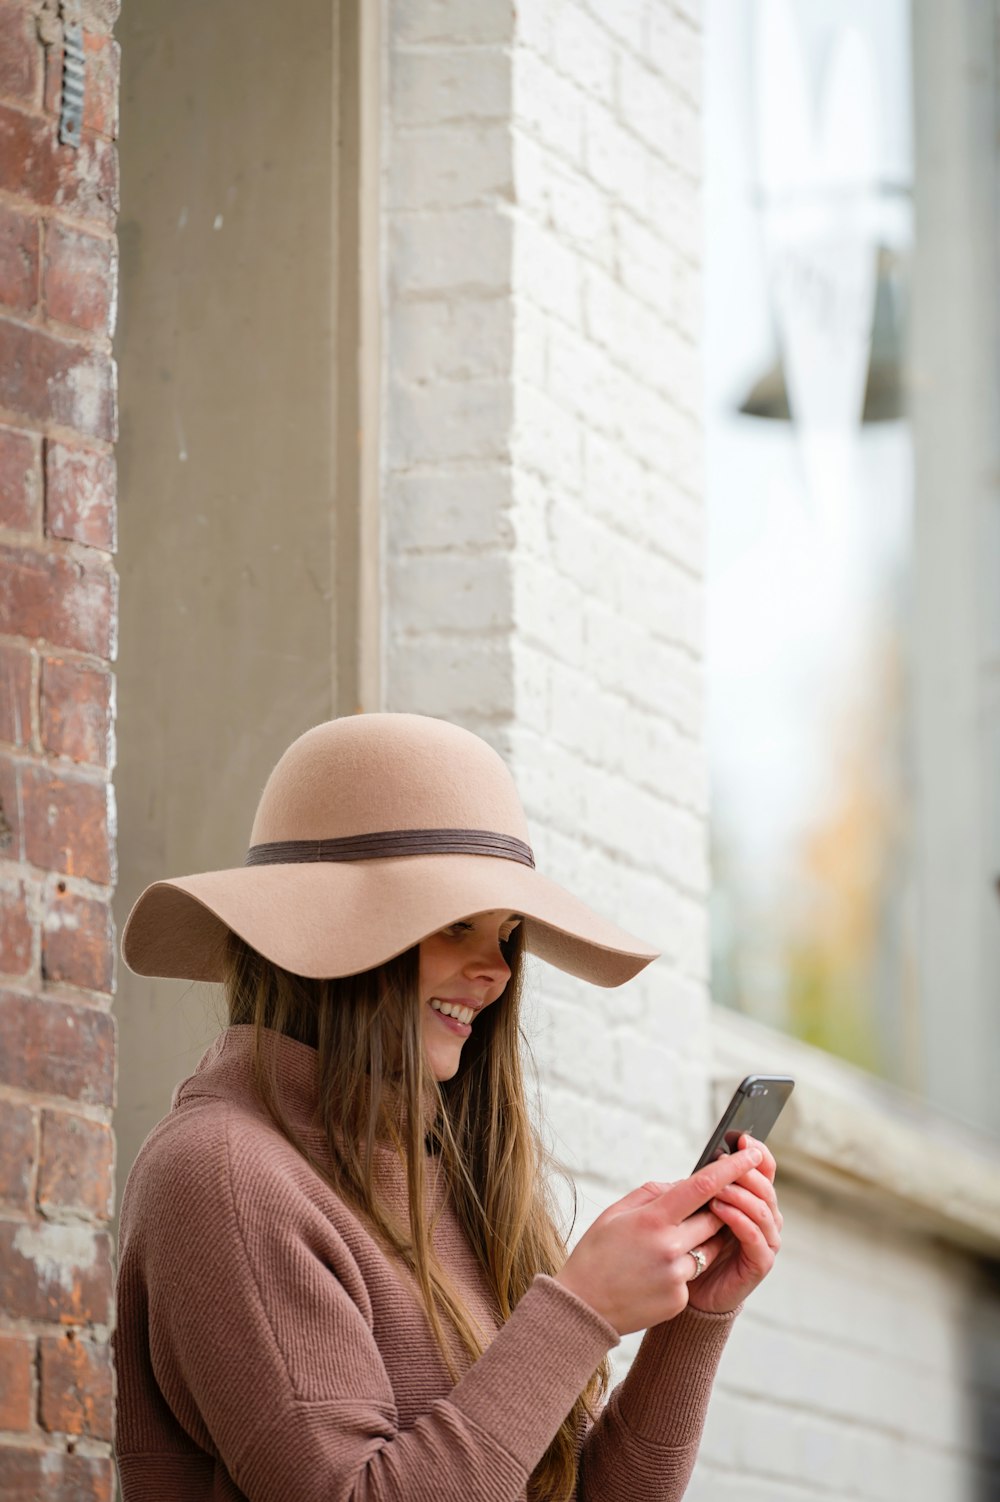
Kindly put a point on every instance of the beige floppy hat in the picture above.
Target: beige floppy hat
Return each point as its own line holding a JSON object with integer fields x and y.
{"x": 373, "y": 832}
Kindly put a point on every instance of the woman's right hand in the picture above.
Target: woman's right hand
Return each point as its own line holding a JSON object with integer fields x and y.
{"x": 633, "y": 1265}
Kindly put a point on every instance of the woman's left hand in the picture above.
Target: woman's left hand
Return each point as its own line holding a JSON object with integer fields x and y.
{"x": 749, "y": 1242}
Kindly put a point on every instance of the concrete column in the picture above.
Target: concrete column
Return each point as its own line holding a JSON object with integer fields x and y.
{"x": 232, "y": 624}
{"x": 956, "y": 662}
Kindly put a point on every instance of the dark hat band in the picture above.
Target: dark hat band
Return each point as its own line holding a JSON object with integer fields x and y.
{"x": 390, "y": 842}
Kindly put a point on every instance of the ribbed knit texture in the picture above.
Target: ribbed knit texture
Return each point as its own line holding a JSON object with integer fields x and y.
{"x": 267, "y": 1348}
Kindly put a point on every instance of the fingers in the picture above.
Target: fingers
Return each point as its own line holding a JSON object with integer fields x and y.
{"x": 768, "y": 1166}
{"x": 760, "y": 1180}
{"x": 689, "y": 1195}
{"x": 756, "y": 1184}
{"x": 749, "y": 1217}
{"x": 694, "y": 1231}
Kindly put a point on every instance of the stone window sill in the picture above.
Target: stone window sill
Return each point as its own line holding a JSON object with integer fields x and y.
{"x": 862, "y": 1140}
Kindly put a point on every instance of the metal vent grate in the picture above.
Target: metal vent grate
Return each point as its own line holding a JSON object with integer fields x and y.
{"x": 71, "y": 111}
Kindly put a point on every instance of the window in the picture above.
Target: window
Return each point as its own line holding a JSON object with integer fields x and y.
{"x": 809, "y": 168}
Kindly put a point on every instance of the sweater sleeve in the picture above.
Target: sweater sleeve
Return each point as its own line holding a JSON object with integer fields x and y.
{"x": 644, "y": 1444}
{"x": 266, "y": 1354}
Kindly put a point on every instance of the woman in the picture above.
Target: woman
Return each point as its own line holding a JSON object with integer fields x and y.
{"x": 339, "y": 1271}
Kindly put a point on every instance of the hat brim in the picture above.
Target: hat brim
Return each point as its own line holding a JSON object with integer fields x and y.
{"x": 326, "y": 919}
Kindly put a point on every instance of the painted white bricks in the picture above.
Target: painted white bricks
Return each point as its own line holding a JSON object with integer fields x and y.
{"x": 607, "y": 605}
{"x": 548, "y": 439}
{"x": 675, "y": 52}
{"x": 451, "y": 166}
{"x": 578, "y": 50}
{"x": 554, "y": 192}
{"x": 845, "y": 1384}
{"x": 449, "y": 340}
{"x": 471, "y": 594}
{"x": 459, "y": 510}
{"x": 472, "y": 678}
{"x": 552, "y": 270}
{"x": 664, "y": 119}
{"x": 549, "y": 106}
{"x": 625, "y": 20}
{"x": 431, "y": 87}
{"x": 443, "y": 22}
{"x": 451, "y": 251}
{"x": 451, "y": 421}
{"x": 540, "y": 404}
{"x": 544, "y": 543}
{"x": 661, "y": 276}
{"x": 470, "y": 339}
{"x": 615, "y": 158}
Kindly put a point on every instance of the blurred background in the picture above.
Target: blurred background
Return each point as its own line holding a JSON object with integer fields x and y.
{"x": 850, "y": 356}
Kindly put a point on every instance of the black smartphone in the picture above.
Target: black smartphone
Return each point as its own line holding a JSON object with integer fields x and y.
{"x": 754, "y": 1108}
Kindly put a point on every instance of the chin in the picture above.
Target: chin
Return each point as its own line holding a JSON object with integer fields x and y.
{"x": 444, "y": 1069}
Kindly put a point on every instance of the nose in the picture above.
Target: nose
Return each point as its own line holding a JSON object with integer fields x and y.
{"x": 488, "y": 961}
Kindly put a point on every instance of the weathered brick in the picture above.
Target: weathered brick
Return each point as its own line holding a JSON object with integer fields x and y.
{"x": 19, "y": 257}
{"x": 29, "y": 1475}
{"x": 82, "y": 184}
{"x": 16, "y": 929}
{"x": 11, "y": 843}
{"x": 78, "y": 278}
{"x": 54, "y": 1048}
{"x": 102, "y": 15}
{"x": 20, "y": 53}
{"x": 66, "y": 823}
{"x": 75, "y": 1386}
{"x": 17, "y": 1382}
{"x": 15, "y": 694}
{"x": 78, "y": 938}
{"x": 77, "y": 1162}
{"x": 49, "y": 380}
{"x": 54, "y": 1273}
{"x": 76, "y": 711}
{"x": 17, "y": 1161}
{"x": 80, "y": 489}
{"x": 20, "y": 479}
{"x": 52, "y": 597}
{"x": 102, "y": 63}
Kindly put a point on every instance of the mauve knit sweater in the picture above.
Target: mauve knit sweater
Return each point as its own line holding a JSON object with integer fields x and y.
{"x": 267, "y": 1348}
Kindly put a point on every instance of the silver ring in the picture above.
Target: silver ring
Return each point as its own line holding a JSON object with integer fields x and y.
{"x": 700, "y": 1261}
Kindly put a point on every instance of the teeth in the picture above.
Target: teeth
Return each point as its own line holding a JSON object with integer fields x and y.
{"x": 461, "y": 1014}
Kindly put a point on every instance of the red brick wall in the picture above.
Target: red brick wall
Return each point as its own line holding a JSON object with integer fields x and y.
{"x": 58, "y": 621}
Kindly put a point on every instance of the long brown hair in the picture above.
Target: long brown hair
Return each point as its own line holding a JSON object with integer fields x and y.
{"x": 373, "y": 1084}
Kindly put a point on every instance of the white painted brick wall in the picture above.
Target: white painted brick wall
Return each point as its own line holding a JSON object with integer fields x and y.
{"x": 544, "y": 539}
{"x": 849, "y": 1375}
{"x": 447, "y": 186}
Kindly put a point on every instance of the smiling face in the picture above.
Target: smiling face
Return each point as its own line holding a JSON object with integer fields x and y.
{"x": 463, "y": 969}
